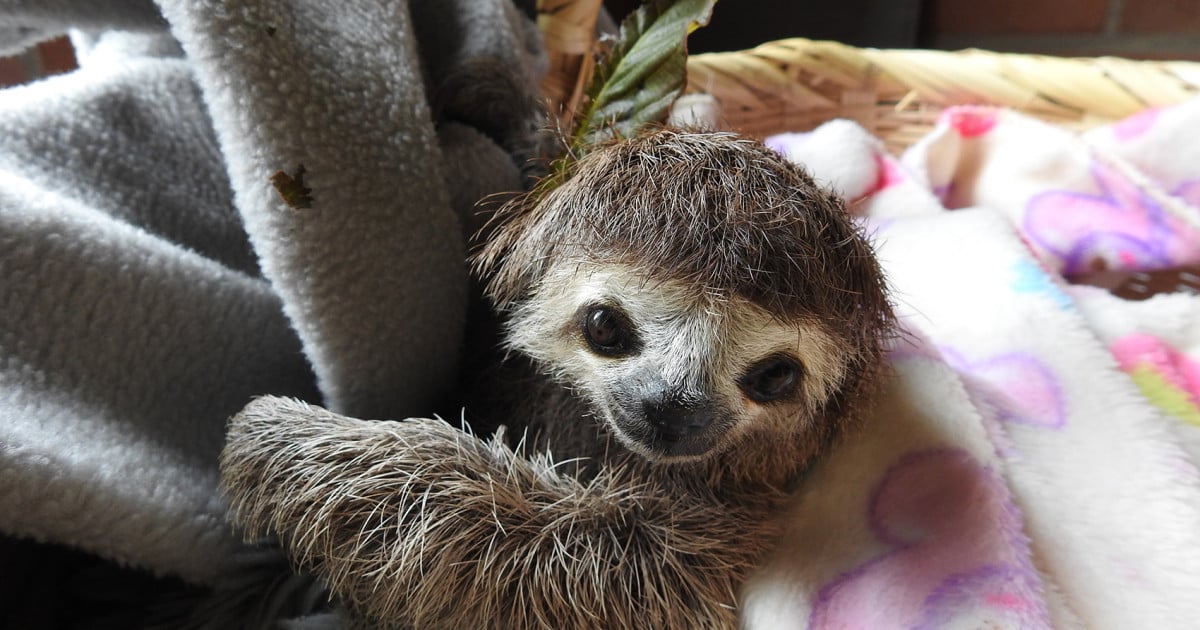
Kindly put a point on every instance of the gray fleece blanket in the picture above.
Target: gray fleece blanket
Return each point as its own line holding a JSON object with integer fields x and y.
{"x": 231, "y": 198}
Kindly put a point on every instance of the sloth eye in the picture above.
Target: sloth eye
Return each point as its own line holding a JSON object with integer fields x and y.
{"x": 771, "y": 379}
{"x": 607, "y": 331}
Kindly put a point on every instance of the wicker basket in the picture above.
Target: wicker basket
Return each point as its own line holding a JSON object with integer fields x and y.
{"x": 797, "y": 84}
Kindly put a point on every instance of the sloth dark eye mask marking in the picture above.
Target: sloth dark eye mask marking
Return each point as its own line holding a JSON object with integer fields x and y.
{"x": 772, "y": 378}
{"x": 608, "y": 331}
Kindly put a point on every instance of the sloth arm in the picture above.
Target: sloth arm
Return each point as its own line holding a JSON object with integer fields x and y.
{"x": 417, "y": 524}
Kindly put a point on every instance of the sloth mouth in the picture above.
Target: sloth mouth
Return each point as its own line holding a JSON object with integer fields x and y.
{"x": 674, "y": 445}
{"x": 656, "y": 442}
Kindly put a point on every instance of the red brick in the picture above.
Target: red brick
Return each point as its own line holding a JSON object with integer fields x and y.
{"x": 57, "y": 56}
{"x": 1156, "y": 55}
{"x": 12, "y": 71}
{"x": 992, "y": 17}
{"x": 1161, "y": 16}
{"x": 1157, "y": 47}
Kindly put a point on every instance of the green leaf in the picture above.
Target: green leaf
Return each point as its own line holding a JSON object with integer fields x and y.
{"x": 643, "y": 73}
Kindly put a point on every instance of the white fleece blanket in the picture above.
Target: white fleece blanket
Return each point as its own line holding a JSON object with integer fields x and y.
{"x": 1033, "y": 463}
{"x": 153, "y": 280}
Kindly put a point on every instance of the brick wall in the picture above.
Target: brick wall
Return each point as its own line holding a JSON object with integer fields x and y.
{"x": 1140, "y": 29}
{"x": 52, "y": 57}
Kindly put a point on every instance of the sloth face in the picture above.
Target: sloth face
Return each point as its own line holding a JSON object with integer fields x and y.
{"x": 676, "y": 376}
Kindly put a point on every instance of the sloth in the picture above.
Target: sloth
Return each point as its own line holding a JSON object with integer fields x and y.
{"x": 688, "y": 322}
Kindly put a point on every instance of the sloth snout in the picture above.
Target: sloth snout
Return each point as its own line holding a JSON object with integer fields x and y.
{"x": 674, "y": 419}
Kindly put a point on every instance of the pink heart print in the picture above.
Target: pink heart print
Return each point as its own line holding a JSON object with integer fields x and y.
{"x": 1018, "y": 385}
{"x": 954, "y": 553}
{"x": 1121, "y": 227}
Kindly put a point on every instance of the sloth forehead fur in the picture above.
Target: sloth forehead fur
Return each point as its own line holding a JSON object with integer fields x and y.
{"x": 720, "y": 253}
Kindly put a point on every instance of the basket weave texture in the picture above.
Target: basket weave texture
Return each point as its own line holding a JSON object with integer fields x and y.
{"x": 797, "y": 84}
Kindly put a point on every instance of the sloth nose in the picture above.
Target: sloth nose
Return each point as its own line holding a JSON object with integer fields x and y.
{"x": 674, "y": 419}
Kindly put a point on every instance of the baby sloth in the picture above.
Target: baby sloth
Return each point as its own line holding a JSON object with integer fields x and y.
{"x": 697, "y": 295}
{"x": 691, "y": 320}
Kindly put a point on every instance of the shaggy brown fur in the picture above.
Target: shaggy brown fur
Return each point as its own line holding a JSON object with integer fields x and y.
{"x": 418, "y": 524}
{"x": 723, "y": 214}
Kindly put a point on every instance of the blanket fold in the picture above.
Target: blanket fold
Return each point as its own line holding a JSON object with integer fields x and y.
{"x": 154, "y": 278}
{"x": 306, "y": 85}
{"x": 24, "y": 23}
